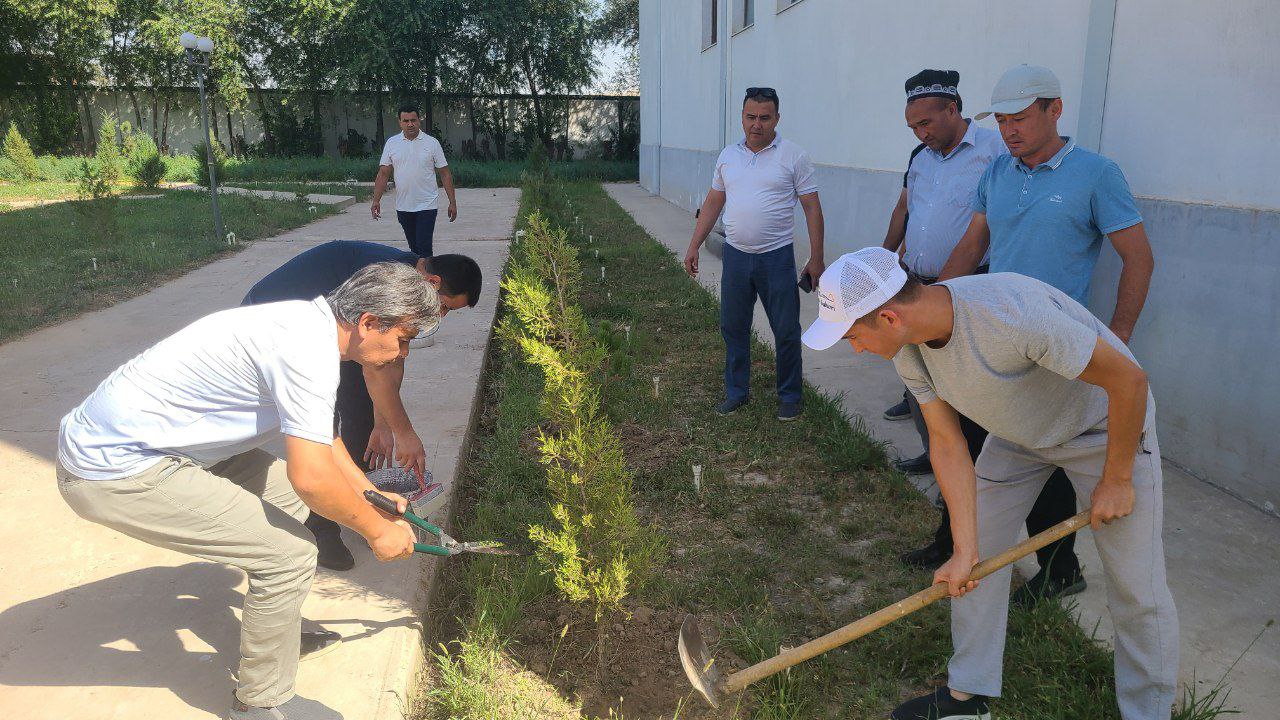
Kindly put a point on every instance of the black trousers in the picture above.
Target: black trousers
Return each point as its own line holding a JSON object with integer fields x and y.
{"x": 419, "y": 230}
{"x": 354, "y": 420}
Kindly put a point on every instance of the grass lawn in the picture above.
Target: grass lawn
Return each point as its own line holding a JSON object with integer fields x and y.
{"x": 49, "y": 250}
{"x": 795, "y": 532}
{"x": 49, "y": 190}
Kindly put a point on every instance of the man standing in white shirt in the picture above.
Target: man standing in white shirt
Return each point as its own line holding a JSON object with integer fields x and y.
{"x": 757, "y": 183}
{"x": 167, "y": 450}
{"x": 416, "y": 157}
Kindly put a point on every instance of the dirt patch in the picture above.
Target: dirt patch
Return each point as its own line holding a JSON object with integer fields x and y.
{"x": 641, "y": 676}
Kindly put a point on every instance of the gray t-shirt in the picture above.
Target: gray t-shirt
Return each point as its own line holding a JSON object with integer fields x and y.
{"x": 1016, "y": 350}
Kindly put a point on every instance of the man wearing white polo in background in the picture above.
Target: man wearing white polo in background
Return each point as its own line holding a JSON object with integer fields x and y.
{"x": 416, "y": 157}
{"x": 757, "y": 183}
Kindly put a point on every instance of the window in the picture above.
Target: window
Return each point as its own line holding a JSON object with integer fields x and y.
{"x": 784, "y": 4}
{"x": 710, "y": 19}
{"x": 744, "y": 14}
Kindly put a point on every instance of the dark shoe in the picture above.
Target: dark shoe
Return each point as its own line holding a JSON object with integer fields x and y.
{"x": 929, "y": 557}
{"x": 729, "y": 406}
{"x": 316, "y": 643}
{"x": 332, "y": 553}
{"x": 901, "y": 411}
{"x": 1042, "y": 587}
{"x": 297, "y": 708}
{"x": 939, "y": 705}
{"x": 918, "y": 465}
{"x": 789, "y": 411}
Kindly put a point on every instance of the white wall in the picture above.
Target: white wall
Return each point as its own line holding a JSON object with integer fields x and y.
{"x": 1193, "y": 100}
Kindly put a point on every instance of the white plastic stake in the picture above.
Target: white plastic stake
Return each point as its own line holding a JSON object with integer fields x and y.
{"x": 628, "y": 329}
{"x": 231, "y": 238}
{"x": 591, "y": 239}
{"x": 597, "y": 254}
{"x": 15, "y": 283}
{"x": 601, "y": 272}
{"x": 607, "y": 296}
{"x": 312, "y": 209}
{"x": 697, "y": 478}
{"x": 655, "y": 386}
{"x": 153, "y": 244}
{"x": 95, "y": 264}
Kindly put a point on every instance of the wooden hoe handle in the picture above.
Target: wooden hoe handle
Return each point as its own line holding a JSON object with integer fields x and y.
{"x": 902, "y": 608}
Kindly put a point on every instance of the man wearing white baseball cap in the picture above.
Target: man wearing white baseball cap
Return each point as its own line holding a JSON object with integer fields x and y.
{"x": 1043, "y": 211}
{"x": 1055, "y": 388}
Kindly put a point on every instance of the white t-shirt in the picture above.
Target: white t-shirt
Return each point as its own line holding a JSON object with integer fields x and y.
{"x": 221, "y": 386}
{"x": 761, "y": 190}
{"x": 415, "y": 162}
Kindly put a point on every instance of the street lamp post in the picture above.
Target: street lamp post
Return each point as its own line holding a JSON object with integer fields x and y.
{"x": 197, "y": 51}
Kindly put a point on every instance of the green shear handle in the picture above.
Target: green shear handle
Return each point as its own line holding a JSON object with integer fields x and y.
{"x": 448, "y": 546}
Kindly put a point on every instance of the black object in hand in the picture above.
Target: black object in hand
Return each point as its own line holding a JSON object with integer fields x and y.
{"x": 806, "y": 282}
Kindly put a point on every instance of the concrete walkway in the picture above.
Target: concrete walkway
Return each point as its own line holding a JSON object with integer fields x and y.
{"x": 97, "y": 626}
{"x": 1223, "y": 556}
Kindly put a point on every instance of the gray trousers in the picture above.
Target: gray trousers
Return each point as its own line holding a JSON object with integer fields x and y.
{"x": 242, "y": 512}
{"x": 1146, "y": 623}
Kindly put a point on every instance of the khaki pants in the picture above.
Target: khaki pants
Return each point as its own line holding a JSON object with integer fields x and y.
{"x": 242, "y": 512}
{"x": 1010, "y": 478}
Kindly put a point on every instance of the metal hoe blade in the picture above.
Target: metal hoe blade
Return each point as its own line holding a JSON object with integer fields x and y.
{"x": 699, "y": 665}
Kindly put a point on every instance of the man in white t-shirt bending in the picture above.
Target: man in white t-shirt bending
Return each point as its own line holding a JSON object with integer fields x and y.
{"x": 167, "y": 450}
{"x": 416, "y": 157}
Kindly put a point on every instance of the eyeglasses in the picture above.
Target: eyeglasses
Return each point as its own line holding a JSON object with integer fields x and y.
{"x": 767, "y": 93}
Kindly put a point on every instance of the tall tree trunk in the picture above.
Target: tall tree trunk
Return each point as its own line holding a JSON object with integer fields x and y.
{"x": 543, "y": 133}
{"x": 155, "y": 117}
{"x": 317, "y": 142}
{"x": 379, "y": 132}
{"x": 213, "y": 114}
{"x": 137, "y": 111}
{"x": 264, "y": 117}
{"x": 91, "y": 136}
{"x": 164, "y": 132}
{"x": 231, "y": 135}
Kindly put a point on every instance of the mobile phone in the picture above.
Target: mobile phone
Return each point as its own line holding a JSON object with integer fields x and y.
{"x": 806, "y": 282}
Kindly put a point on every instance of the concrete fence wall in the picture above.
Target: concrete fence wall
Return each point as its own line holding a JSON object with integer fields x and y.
{"x": 586, "y": 123}
{"x": 1181, "y": 94}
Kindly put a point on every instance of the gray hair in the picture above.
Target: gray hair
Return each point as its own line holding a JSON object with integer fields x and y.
{"x": 393, "y": 292}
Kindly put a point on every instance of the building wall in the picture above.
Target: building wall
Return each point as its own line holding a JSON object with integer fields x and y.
{"x": 1185, "y": 97}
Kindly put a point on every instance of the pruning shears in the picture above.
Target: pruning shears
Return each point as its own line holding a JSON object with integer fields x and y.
{"x": 448, "y": 546}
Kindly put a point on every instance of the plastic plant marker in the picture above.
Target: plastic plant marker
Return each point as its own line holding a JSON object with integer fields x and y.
{"x": 231, "y": 238}
{"x": 655, "y": 386}
{"x": 95, "y": 264}
{"x": 601, "y": 272}
{"x": 628, "y": 329}
{"x": 697, "y": 478}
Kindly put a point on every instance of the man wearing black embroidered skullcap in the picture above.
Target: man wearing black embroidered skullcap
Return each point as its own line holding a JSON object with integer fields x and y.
{"x": 930, "y": 218}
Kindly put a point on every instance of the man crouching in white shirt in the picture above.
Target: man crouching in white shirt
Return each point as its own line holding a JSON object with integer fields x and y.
{"x": 167, "y": 450}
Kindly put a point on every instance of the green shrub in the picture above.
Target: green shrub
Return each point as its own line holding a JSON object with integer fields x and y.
{"x": 110, "y": 161}
{"x": 219, "y": 161}
{"x": 98, "y": 198}
{"x": 18, "y": 152}
{"x": 181, "y": 168}
{"x": 595, "y": 549}
{"x": 536, "y": 164}
{"x": 144, "y": 162}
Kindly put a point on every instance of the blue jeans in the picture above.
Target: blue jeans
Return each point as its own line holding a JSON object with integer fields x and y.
{"x": 772, "y": 277}
{"x": 419, "y": 229}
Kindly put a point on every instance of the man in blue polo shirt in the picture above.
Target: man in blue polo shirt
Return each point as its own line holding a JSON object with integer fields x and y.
{"x": 372, "y": 419}
{"x": 1043, "y": 211}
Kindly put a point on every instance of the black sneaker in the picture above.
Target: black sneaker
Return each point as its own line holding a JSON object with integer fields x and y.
{"x": 297, "y": 708}
{"x": 730, "y": 406}
{"x": 929, "y": 557}
{"x": 918, "y": 465}
{"x": 789, "y": 411}
{"x": 1042, "y": 587}
{"x": 939, "y": 705}
{"x": 901, "y": 411}
{"x": 332, "y": 553}
{"x": 316, "y": 643}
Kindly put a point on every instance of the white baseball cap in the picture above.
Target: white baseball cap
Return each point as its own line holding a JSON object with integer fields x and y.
{"x": 855, "y": 284}
{"x": 1019, "y": 87}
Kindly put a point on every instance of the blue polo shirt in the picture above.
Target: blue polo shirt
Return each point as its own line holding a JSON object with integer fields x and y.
{"x": 1048, "y": 222}
{"x": 320, "y": 270}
